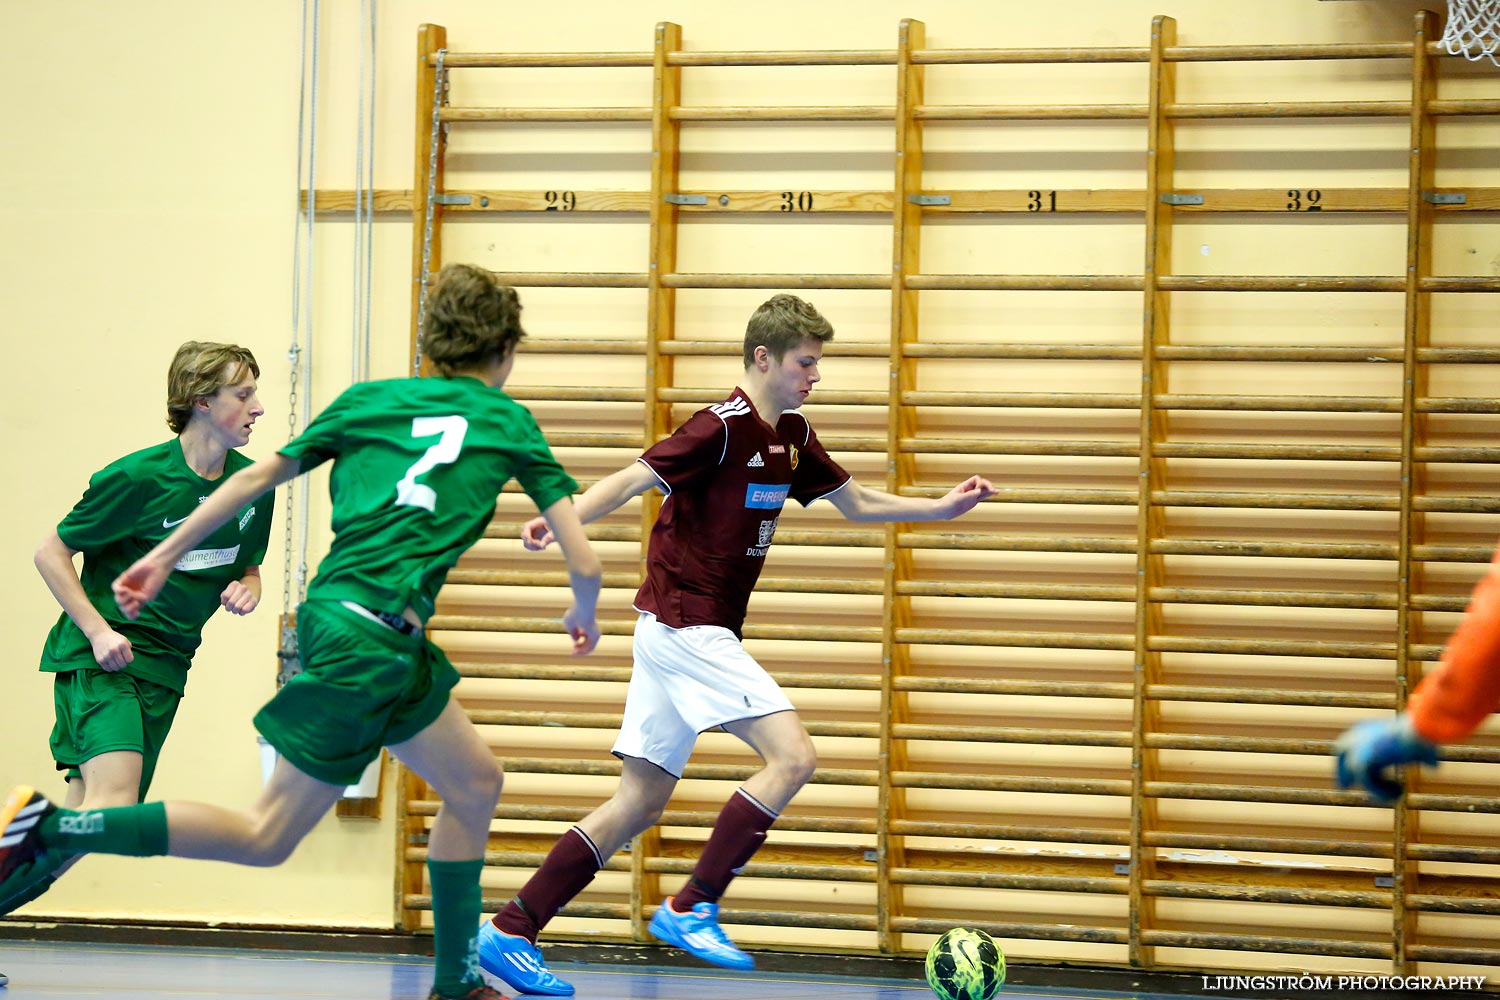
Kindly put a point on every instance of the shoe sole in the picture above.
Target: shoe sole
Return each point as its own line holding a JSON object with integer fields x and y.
{"x": 494, "y": 981}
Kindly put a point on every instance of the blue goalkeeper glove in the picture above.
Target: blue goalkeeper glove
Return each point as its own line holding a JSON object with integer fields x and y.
{"x": 1367, "y": 749}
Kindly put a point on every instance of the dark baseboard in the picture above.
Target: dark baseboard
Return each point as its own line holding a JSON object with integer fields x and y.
{"x": 199, "y": 935}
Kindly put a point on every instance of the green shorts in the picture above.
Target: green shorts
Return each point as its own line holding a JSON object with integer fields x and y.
{"x": 363, "y": 686}
{"x": 98, "y": 711}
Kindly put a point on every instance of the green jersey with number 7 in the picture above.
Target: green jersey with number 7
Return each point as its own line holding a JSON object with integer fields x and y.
{"x": 404, "y": 507}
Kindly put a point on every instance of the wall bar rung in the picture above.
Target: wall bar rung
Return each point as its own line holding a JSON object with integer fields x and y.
{"x": 1289, "y": 283}
{"x": 1038, "y": 112}
{"x": 550, "y": 115}
{"x": 783, "y": 114}
{"x": 796, "y": 281}
{"x": 826, "y": 57}
{"x": 1290, "y": 109}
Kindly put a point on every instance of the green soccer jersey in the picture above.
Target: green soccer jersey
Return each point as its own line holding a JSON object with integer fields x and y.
{"x": 418, "y": 464}
{"x": 130, "y": 505}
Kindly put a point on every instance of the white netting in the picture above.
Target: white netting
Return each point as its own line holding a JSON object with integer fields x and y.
{"x": 1473, "y": 29}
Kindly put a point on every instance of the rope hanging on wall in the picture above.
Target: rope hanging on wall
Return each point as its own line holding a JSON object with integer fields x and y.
{"x": 364, "y": 195}
{"x": 299, "y": 354}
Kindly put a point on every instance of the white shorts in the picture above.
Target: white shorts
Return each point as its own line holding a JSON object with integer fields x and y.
{"x": 687, "y": 681}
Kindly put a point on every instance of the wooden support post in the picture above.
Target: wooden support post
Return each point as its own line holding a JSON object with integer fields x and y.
{"x": 661, "y": 323}
{"x": 900, "y": 423}
{"x": 1156, "y": 316}
{"x": 1413, "y": 438}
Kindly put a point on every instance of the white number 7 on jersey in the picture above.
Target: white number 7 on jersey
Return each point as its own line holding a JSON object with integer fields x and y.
{"x": 409, "y": 492}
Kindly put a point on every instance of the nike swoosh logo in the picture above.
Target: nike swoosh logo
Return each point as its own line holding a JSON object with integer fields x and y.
{"x": 172, "y": 524}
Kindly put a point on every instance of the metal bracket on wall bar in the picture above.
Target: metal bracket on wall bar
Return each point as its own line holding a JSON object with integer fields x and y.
{"x": 1440, "y": 198}
{"x": 452, "y": 199}
{"x": 1182, "y": 199}
{"x": 685, "y": 199}
{"x": 929, "y": 199}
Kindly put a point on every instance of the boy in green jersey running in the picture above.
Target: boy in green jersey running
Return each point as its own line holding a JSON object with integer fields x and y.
{"x": 417, "y": 464}
{"x": 118, "y": 682}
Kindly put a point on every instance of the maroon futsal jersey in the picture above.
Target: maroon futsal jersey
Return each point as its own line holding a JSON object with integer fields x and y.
{"x": 726, "y": 473}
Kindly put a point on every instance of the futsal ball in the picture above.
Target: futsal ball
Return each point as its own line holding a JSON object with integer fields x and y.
{"x": 965, "y": 964}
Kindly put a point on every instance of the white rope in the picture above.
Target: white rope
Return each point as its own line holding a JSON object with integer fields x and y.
{"x": 300, "y": 351}
{"x": 1473, "y": 29}
{"x": 364, "y": 198}
{"x": 370, "y": 188}
{"x": 303, "y": 485}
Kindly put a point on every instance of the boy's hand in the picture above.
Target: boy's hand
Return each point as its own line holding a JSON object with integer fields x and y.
{"x": 239, "y": 599}
{"x": 535, "y": 534}
{"x": 111, "y": 650}
{"x": 966, "y": 495}
{"x": 139, "y": 585}
{"x": 584, "y": 631}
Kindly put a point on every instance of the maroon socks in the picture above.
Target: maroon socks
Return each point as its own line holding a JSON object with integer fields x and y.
{"x": 571, "y": 864}
{"x": 738, "y": 833}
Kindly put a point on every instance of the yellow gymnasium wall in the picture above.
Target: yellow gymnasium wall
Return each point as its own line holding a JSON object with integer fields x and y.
{"x": 147, "y": 197}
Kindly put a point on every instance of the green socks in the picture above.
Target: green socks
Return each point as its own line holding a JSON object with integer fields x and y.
{"x": 455, "y": 924}
{"x": 139, "y": 831}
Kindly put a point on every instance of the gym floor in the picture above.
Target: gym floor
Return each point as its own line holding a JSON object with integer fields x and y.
{"x": 71, "y": 971}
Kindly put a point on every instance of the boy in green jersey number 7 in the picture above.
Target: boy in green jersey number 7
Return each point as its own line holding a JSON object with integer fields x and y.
{"x": 417, "y": 464}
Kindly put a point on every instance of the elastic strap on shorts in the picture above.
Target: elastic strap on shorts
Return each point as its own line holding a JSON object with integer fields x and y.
{"x": 385, "y": 618}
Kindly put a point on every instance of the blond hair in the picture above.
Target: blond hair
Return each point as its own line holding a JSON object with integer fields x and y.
{"x": 198, "y": 370}
{"x": 781, "y": 324}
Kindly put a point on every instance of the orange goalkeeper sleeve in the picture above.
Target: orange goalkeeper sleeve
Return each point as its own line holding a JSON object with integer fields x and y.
{"x": 1454, "y": 699}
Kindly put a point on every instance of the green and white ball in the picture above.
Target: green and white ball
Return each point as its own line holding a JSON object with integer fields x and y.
{"x": 965, "y": 964}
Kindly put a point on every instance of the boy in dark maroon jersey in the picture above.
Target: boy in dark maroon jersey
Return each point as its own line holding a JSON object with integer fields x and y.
{"x": 726, "y": 472}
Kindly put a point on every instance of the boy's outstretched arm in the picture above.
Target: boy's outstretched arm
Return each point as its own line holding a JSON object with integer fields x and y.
{"x": 861, "y": 503}
{"x": 584, "y": 573}
{"x": 605, "y": 496}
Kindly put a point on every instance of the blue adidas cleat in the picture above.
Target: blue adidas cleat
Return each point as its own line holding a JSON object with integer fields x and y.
{"x": 518, "y": 963}
{"x": 698, "y": 933}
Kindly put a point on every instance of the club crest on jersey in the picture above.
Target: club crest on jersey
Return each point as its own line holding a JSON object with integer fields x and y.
{"x": 767, "y": 530}
{"x": 793, "y": 450}
{"x": 763, "y": 539}
{"x": 764, "y": 497}
{"x": 756, "y": 463}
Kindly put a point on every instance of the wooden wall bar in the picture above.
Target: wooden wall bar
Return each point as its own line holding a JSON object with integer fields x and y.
{"x": 1095, "y": 716}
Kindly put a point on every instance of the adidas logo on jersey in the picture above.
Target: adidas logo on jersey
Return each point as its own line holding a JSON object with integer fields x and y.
{"x": 755, "y": 463}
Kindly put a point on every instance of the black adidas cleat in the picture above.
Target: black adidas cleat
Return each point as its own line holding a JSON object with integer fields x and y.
{"x": 20, "y": 827}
